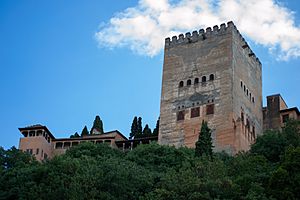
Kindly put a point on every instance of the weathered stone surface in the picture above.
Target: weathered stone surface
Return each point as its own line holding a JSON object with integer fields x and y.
{"x": 220, "y": 53}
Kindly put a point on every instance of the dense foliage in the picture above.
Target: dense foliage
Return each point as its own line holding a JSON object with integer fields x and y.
{"x": 138, "y": 132}
{"x": 271, "y": 170}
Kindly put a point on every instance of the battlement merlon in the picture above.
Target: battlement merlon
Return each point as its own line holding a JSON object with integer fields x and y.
{"x": 209, "y": 32}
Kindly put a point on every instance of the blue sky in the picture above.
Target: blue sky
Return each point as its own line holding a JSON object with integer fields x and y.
{"x": 64, "y": 62}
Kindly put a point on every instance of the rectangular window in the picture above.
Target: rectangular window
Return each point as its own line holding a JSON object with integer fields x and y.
{"x": 37, "y": 151}
{"x": 195, "y": 112}
{"x": 180, "y": 115}
{"x": 45, "y": 156}
{"x": 210, "y": 109}
{"x": 285, "y": 118}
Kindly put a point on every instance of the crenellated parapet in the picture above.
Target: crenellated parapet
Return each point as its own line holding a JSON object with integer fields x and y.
{"x": 209, "y": 33}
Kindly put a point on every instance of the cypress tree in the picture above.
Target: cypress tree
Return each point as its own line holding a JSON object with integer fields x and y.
{"x": 156, "y": 129}
{"x": 139, "y": 128}
{"x": 76, "y": 135}
{"x": 98, "y": 125}
{"x": 204, "y": 144}
{"x": 134, "y": 128}
{"x": 84, "y": 131}
{"x": 147, "y": 131}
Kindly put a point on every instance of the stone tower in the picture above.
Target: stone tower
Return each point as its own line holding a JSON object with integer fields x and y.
{"x": 211, "y": 75}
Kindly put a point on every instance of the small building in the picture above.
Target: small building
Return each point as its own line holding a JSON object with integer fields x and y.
{"x": 41, "y": 143}
{"x": 276, "y": 113}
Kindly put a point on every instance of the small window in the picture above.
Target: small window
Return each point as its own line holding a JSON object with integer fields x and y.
{"x": 285, "y": 118}
{"x": 211, "y": 77}
{"x": 203, "y": 78}
{"x": 180, "y": 115}
{"x": 58, "y": 145}
{"x": 250, "y": 95}
{"x": 196, "y": 81}
{"x": 253, "y": 131}
{"x": 37, "y": 151}
{"x": 241, "y": 84}
{"x": 247, "y": 92}
{"x": 181, "y": 84}
{"x": 253, "y": 99}
{"x": 244, "y": 88}
{"x": 195, "y": 112}
{"x": 242, "y": 117}
{"x": 210, "y": 109}
{"x": 189, "y": 82}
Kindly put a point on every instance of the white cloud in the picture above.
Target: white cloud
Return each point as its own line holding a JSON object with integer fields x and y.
{"x": 144, "y": 27}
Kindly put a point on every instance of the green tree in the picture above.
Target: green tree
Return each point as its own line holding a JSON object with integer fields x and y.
{"x": 147, "y": 131}
{"x": 134, "y": 128}
{"x": 204, "y": 144}
{"x": 75, "y": 135}
{"x": 271, "y": 145}
{"x": 156, "y": 129}
{"x": 139, "y": 128}
{"x": 84, "y": 131}
{"x": 98, "y": 125}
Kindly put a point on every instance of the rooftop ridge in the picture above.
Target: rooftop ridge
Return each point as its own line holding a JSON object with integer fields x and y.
{"x": 209, "y": 32}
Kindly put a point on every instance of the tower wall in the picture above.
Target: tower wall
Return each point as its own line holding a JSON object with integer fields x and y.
{"x": 213, "y": 52}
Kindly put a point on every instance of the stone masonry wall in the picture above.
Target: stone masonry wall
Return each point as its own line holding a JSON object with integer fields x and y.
{"x": 206, "y": 53}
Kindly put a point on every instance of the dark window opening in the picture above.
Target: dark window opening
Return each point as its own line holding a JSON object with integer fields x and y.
{"x": 181, "y": 84}
{"x": 29, "y": 151}
{"x": 189, "y": 82}
{"x": 195, "y": 112}
{"x": 285, "y": 118}
{"x": 211, "y": 77}
{"x": 250, "y": 96}
{"x": 203, "y": 78}
{"x": 31, "y": 134}
{"x": 74, "y": 143}
{"x": 37, "y": 151}
{"x": 242, "y": 117}
{"x": 247, "y": 92}
{"x": 253, "y": 131}
{"x": 58, "y": 145}
{"x": 45, "y": 156}
{"x": 244, "y": 88}
{"x": 210, "y": 109}
{"x": 180, "y": 115}
{"x": 67, "y": 144}
{"x": 196, "y": 81}
{"x": 253, "y": 99}
{"x": 241, "y": 84}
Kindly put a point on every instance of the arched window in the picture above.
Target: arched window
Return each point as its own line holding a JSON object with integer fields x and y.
{"x": 211, "y": 77}
{"x": 189, "y": 82}
{"x": 241, "y": 84}
{"x": 247, "y": 92}
{"x": 196, "y": 81}
{"x": 181, "y": 84}
{"x": 203, "y": 78}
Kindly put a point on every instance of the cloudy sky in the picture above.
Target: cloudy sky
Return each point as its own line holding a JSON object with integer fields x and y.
{"x": 64, "y": 62}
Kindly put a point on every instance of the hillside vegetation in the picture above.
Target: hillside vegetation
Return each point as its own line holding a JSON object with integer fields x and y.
{"x": 270, "y": 170}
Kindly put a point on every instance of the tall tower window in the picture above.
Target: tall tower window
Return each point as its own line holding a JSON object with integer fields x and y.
{"x": 203, "y": 78}
{"x": 211, "y": 77}
{"x": 210, "y": 109}
{"x": 196, "y": 81}
{"x": 195, "y": 112}
{"x": 180, "y": 115}
{"x": 189, "y": 82}
{"x": 181, "y": 84}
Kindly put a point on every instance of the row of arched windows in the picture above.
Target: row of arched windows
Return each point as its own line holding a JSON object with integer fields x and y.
{"x": 196, "y": 80}
{"x": 247, "y": 92}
